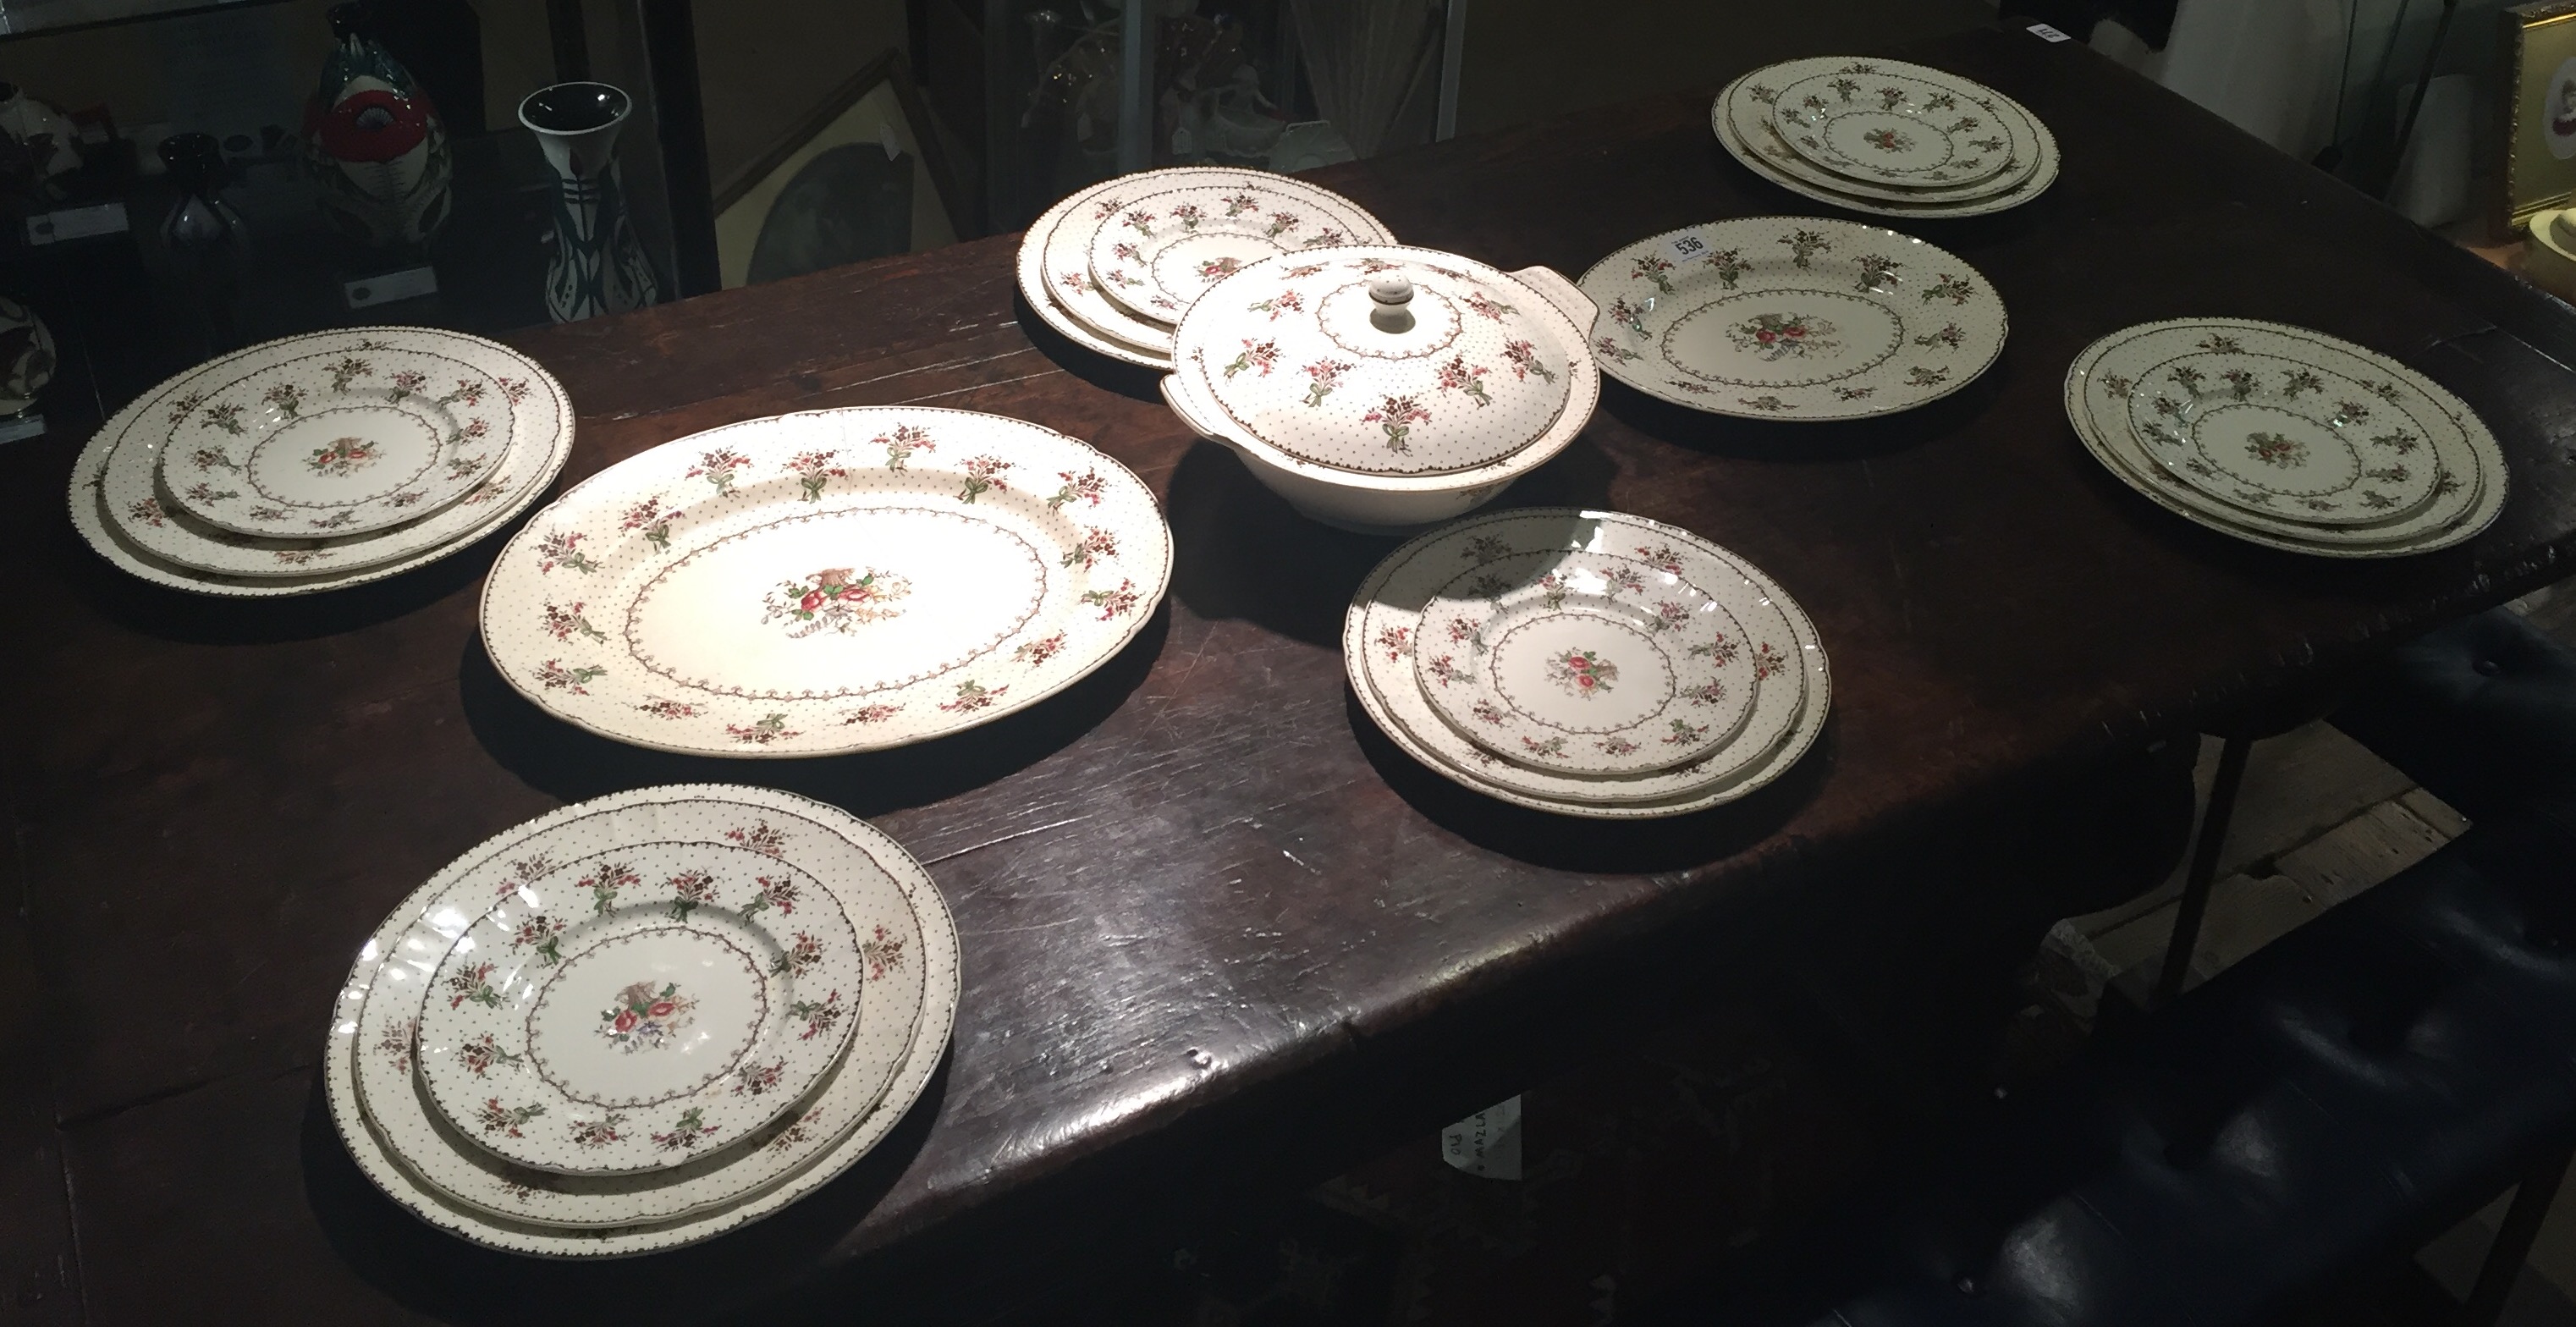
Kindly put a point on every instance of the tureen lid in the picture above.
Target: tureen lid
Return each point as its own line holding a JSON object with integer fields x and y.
{"x": 1382, "y": 359}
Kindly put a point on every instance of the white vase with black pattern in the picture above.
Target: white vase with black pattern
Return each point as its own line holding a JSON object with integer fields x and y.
{"x": 599, "y": 264}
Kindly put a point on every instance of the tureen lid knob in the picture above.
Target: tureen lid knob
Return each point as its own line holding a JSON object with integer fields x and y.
{"x": 1389, "y": 293}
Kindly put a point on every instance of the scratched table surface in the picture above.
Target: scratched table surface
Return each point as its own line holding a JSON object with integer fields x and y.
{"x": 1212, "y": 921}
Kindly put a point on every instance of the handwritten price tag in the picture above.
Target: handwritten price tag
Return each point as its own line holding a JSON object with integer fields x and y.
{"x": 1687, "y": 247}
{"x": 1487, "y": 1143}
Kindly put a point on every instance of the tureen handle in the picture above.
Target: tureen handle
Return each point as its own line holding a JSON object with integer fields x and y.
{"x": 1569, "y": 300}
{"x": 1178, "y": 396}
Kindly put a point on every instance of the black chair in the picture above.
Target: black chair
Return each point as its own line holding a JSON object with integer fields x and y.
{"x": 2334, "y": 1101}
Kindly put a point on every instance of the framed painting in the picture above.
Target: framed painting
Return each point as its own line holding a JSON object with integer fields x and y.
{"x": 863, "y": 177}
{"x": 2537, "y": 90}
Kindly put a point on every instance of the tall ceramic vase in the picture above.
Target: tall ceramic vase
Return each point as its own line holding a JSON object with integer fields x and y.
{"x": 599, "y": 264}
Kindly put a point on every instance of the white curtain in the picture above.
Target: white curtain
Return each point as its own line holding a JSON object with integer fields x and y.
{"x": 2301, "y": 74}
{"x": 1364, "y": 59}
{"x": 2273, "y": 68}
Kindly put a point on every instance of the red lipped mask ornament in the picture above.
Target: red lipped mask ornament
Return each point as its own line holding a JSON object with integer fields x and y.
{"x": 372, "y": 125}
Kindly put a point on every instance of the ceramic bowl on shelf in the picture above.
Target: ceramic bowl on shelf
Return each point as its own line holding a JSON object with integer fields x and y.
{"x": 2550, "y": 258}
{"x": 1379, "y": 387}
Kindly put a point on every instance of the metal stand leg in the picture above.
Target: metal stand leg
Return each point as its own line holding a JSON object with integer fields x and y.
{"x": 2513, "y": 1243}
{"x": 2204, "y": 868}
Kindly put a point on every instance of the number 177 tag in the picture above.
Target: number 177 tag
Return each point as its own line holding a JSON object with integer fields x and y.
{"x": 1686, "y": 247}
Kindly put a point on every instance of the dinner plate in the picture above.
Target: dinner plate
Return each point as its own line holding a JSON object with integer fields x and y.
{"x": 1052, "y": 310}
{"x": 1159, "y": 252}
{"x": 1749, "y": 112}
{"x": 1899, "y": 130}
{"x": 823, "y": 582}
{"x": 2468, "y": 466}
{"x": 2096, "y": 395}
{"x": 1372, "y": 649}
{"x": 2280, "y": 435}
{"x": 449, "y": 1159}
{"x": 406, "y": 1149}
{"x": 1586, "y": 663}
{"x": 1470, "y": 549}
{"x": 114, "y": 504}
{"x": 1387, "y": 620}
{"x": 1063, "y": 263}
{"x": 639, "y": 1007}
{"x": 1793, "y": 318}
{"x": 338, "y": 443}
{"x": 1772, "y": 160}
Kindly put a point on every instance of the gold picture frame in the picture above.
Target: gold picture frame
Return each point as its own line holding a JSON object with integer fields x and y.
{"x": 2538, "y": 96}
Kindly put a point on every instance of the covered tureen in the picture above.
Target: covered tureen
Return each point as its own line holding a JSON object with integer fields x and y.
{"x": 1380, "y": 387}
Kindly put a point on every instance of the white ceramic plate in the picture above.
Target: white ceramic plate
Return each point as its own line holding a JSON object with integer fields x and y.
{"x": 2470, "y": 483}
{"x": 831, "y": 581}
{"x": 2096, "y": 396}
{"x": 1749, "y": 110}
{"x": 296, "y": 446}
{"x": 1457, "y": 552}
{"x": 447, "y": 1158}
{"x": 1384, "y": 627}
{"x": 1053, "y": 312}
{"x": 248, "y": 567}
{"x": 612, "y": 1214}
{"x": 1793, "y": 318}
{"x": 641, "y": 1007}
{"x": 1539, "y": 658}
{"x": 1898, "y": 130}
{"x": 2272, "y": 434}
{"x": 1063, "y": 266}
{"x": 1411, "y": 725}
{"x": 1773, "y": 161}
{"x": 1160, "y": 251}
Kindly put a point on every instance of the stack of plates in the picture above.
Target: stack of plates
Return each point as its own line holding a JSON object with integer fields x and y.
{"x": 1884, "y": 136}
{"x": 1586, "y": 663}
{"x": 837, "y": 580}
{"x": 2286, "y": 437}
{"x": 1114, "y": 267}
{"x": 321, "y": 461}
{"x": 642, "y": 1021}
{"x": 1792, "y": 318}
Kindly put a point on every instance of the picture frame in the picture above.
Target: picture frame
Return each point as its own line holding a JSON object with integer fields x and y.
{"x": 2536, "y": 92}
{"x": 865, "y": 175}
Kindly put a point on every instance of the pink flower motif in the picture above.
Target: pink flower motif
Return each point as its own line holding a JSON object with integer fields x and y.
{"x": 1259, "y": 355}
{"x": 1397, "y": 415}
{"x": 1112, "y": 603}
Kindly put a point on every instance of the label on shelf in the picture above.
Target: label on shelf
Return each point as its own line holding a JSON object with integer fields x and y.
{"x": 385, "y": 288}
{"x": 1487, "y": 1143}
{"x": 2047, "y": 33}
{"x": 76, "y": 223}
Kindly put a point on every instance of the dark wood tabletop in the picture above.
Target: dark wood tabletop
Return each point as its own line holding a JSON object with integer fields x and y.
{"x": 1215, "y": 927}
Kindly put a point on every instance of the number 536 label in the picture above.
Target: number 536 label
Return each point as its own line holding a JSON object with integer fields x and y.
{"x": 1686, "y": 247}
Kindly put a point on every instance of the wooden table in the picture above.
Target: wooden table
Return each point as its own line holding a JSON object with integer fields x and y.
{"x": 1216, "y": 929}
